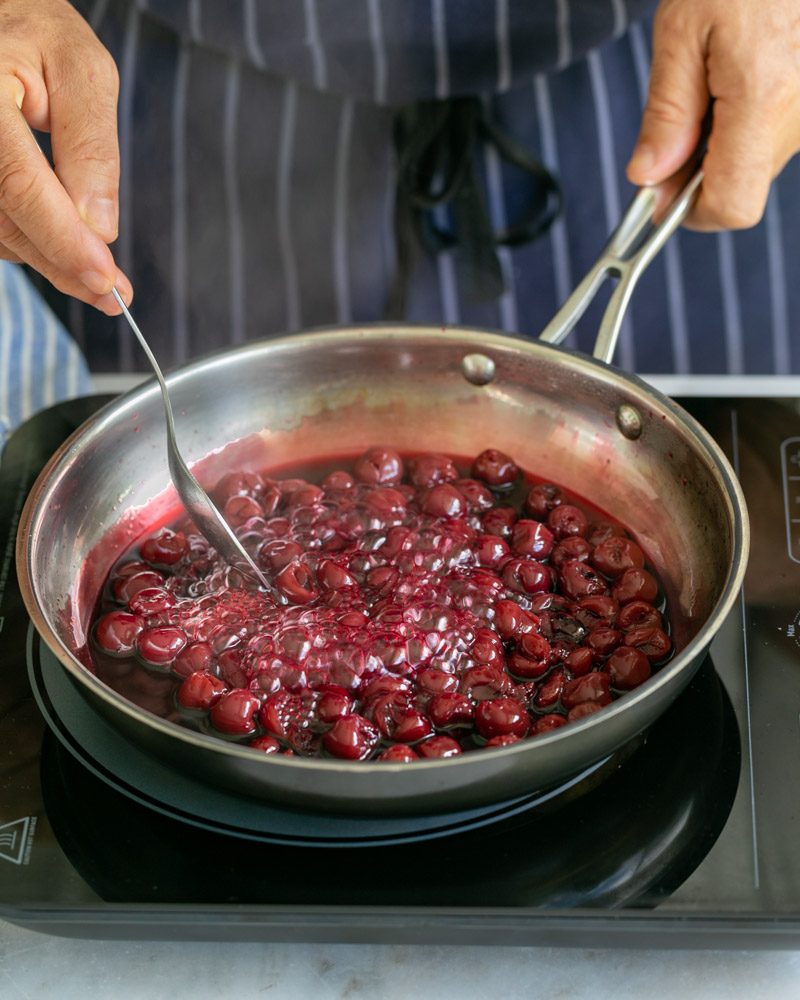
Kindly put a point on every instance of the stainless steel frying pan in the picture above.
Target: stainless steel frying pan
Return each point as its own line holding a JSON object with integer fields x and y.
{"x": 569, "y": 417}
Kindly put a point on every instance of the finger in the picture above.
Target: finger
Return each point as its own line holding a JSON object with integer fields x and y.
{"x": 738, "y": 167}
{"x": 14, "y": 245}
{"x": 84, "y": 86}
{"x": 677, "y": 100}
{"x": 34, "y": 199}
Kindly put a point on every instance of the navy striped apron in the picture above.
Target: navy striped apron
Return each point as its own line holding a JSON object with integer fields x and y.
{"x": 258, "y": 178}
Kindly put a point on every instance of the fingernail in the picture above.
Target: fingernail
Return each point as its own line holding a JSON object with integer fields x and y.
{"x": 124, "y": 288}
{"x": 109, "y": 305}
{"x": 101, "y": 216}
{"x": 96, "y": 282}
{"x": 643, "y": 160}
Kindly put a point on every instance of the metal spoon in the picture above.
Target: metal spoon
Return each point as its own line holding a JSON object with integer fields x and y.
{"x": 195, "y": 499}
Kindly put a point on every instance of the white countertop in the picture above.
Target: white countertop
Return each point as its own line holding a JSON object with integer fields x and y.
{"x": 37, "y": 967}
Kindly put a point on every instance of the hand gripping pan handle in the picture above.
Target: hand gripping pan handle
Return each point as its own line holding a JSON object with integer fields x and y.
{"x": 630, "y": 248}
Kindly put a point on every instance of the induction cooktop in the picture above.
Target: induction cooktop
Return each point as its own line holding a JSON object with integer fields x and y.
{"x": 687, "y": 837}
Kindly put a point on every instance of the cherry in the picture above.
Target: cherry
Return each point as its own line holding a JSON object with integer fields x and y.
{"x": 574, "y": 547}
{"x": 481, "y": 683}
{"x": 200, "y": 691}
{"x": 491, "y": 550}
{"x": 635, "y": 585}
{"x": 382, "y": 684}
{"x": 499, "y": 521}
{"x": 400, "y": 753}
{"x": 478, "y": 498}
{"x": 151, "y": 601}
{"x": 488, "y": 648}
{"x": 628, "y": 668}
{"x": 652, "y": 641}
{"x": 542, "y": 498}
{"x": 333, "y": 704}
{"x": 547, "y": 723}
{"x": 614, "y": 555}
{"x": 126, "y": 587}
{"x": 116, "y": 632}
{"x": 196, "y": 656}
{"x": 527, "y": 576}
{"x": 278, "y": 552}
{"x": 234, "y": 713}
{"x": 502, "y": 741}
{"x": 638, "y": 613}
{"x": 511, "y": 620}
{"x": 531, "y": 658}
{"x": 398, "y": 539}
{"x": 580, "y": 661}
{"x": 288, "y": 487}
{"x": 332, "y": 576}
{"x": 583, "y": 709}
{"x": 545, "y": 601}
{"x": 230, "y": 668}
{"x": 603, "y": 640}
{"x": 597, "y": 610}
{"x": 432, "y": 682}
{"x": 239, "y": 509}
{"x": 270, "y": 500}
{"x": 295, "y": 583}
{"x": 411, "y": 726}
{"x": 450, "y": 708}
{"x": 532, "y": 538}
{"x": 237, "y": 484}
{"x": 444, "y": 501}
{"x": 383, "y": 579}
{"x": 352, "y": 737}
{"x": 385, "y": 502}
{"x": 430, "y": 469}
{"x": 379, "y": 466}
{"x": 306, "y": 495}
{"x": 130, "y": 568}
{"x": 438, "y": 746}
{"x": 560, "y": 650}
{"x": 396, "y": 719}
{"x": 495, "y": 468}
{"x": 160, "y": 645}
{"x": 338, "y": 481}
{"x": 592, "y": 687}
{"x": 550, "y": 689}
{"x": 278, "y": 711}
{"x": 354, "y": 619}
{"x": 266, "y": 744}
{"x": 567, "y": 521}
{"x": 165, "y": 548}
{"x": 579, "y": 580}
{"x": 501, "y": 717}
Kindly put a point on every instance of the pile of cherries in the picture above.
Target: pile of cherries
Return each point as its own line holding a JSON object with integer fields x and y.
{"x": 417, "y": 612}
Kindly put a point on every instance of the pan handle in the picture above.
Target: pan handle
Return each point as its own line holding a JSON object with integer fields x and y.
{"x": 630, "y": 248}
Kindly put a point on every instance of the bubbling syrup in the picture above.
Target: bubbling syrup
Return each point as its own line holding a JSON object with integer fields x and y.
{"x": 424, "y": 607}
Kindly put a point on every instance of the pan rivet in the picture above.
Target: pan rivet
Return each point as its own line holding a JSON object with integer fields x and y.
{"x": 629, "y": 421}
{"x": 478, "y": 368}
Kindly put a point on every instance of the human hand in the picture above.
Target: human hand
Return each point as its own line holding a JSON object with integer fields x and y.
{"x": 56, "y": 76}
{"x": 745, "y": 54}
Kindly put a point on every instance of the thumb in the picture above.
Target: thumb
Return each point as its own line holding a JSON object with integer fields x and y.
{"x": 676, "y": 103}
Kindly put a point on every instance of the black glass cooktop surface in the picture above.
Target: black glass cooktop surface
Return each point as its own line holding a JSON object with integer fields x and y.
{"x": 689, "y": 837}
